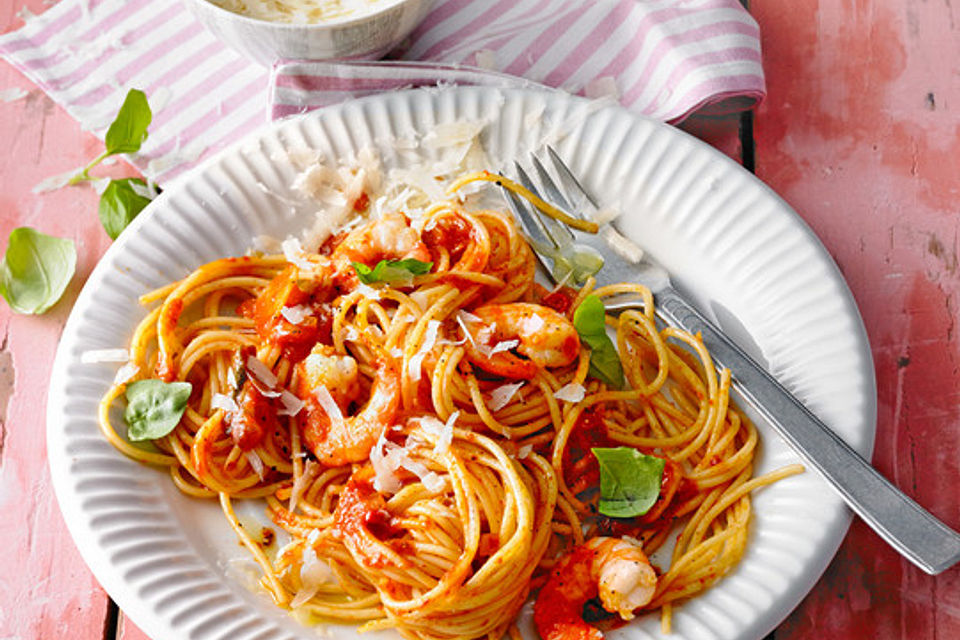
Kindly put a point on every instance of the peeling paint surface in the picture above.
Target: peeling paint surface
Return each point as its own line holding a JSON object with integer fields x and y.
{"x": 860, "y": 133}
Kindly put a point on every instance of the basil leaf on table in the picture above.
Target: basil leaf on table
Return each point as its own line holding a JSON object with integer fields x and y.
{"x": 629, "y": 481}
{"x": 392, "y": 271}
{"x": 129, "y": 129}
{"x": 36, "y": 270}
{"x": 590, "y": 322}
{"x": 154, "y": 408}
{"x": 120, "y": 203}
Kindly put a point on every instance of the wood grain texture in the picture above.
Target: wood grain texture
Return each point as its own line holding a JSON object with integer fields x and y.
{"x": 861, "y": 134}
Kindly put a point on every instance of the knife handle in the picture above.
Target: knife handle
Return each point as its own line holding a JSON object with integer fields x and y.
{"x": 905, "y": 525}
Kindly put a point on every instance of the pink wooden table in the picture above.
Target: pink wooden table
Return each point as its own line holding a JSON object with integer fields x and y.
{"x": 860, "y": 134}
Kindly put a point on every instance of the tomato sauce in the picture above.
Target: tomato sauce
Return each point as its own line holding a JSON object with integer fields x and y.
{"x": 560, "y": 300}
{"x": 453, "y": 233}
{"x": 257, "y": 417}
{"x": 580, "y": 467}
{"x": 362, "y": 519}
{"x": 266, "y": 311}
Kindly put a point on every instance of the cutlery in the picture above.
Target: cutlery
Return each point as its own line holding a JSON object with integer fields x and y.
{"x": 569, "y": 255}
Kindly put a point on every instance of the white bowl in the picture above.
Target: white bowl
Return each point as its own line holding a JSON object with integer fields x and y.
{"x": 366, "y": 36}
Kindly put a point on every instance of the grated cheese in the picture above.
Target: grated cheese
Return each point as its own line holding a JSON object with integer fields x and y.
{"x": 572, "y": 392}
{"x": 254, "y": 459}
{"x": 295, "y": 255}
{"x": 504, "y": 345}
{"x": 262, "y": 378}
{"x": 296, "y": 314}
{"x": 621, "y": 245}
{"x": 292, "y": 405}
{"x": 314, "y": 573}
{"x": 299, "y": 11}
{"x": 329, "y": 405}
{"x": 309, "y": 471}
{"x": 501, "y": 396}
{"x": 126, "y": 373}
{"x": 221, "y": 401}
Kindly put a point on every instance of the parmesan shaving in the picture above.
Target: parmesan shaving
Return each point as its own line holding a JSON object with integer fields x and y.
{"x": 296, "y": 314}
{"x": 505, "y": 345}
{"x": 314, "y": 573}
{"x": 254, "y": 459}
{"x": 415, "y": 366}
{"x": 221, "y": 401}
{"x": 126, "y": 373}
{"x": 95, "y": 356}
{"x": 383, "y": 458}
{"x": 329, "y": 405}
{"x": 292, "y": 405}
{"x": 434, "y": 482}
{"x": 266, "y": 244}
{"x": 572, "y": 392}
{"x": 501, "y": 396}
{"x": 605, "y": 215}
{"x": 446, "y": 434}
{"x": 368, "y": 292}
{"x": 621, "y": 245}
{"x": 295, "y": 255}
{"x": 309, "y": 472}
{"x": 429, "y": 340}
{"x": 524, "y": 452}
{"x": 443, "y": 431}
{"x": 262, "y": 378}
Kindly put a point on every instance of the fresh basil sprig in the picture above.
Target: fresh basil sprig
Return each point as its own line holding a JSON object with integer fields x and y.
{"x": 36, "y": 270}
{"x": 392, "y": 271}
{"x": 122, "y": 199}
{"x": 125, "y": 134}
{"x": 590, "y": 322}
{"x": 629, "y": 481}
{"x": 120, "y": 203}
{"x": 154, "y": 408}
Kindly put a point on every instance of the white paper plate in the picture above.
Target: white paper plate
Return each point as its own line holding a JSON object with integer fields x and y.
{"x": 172, "y": 563}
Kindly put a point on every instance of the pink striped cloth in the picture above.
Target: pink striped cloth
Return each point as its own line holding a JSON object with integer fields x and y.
{"x": 666, "y": 58}
{"x": 663, "y": 58}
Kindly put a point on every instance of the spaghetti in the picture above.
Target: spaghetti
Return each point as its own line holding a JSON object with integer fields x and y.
{"x": 425, "y": 440}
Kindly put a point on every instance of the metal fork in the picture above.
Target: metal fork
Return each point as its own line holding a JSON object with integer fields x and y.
{"x": 567, "y": 255}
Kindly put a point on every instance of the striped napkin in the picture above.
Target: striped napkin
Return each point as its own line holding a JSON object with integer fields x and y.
{"x": 663, "y": 58}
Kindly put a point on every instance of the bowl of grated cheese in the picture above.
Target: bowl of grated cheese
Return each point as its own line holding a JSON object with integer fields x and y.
{"x": 268, "y": 31}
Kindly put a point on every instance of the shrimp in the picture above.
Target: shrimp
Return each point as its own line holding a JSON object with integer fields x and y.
{"x": 616, "y": 569}
{"x": 388, "y": 238}
{"x": 329, "y": 384}
{"x": 542, "y": 336}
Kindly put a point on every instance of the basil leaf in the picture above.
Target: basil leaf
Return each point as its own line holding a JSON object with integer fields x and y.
{"x": 590, "y": 322}
{"x": 128, "y": 131}
{"x": 154, "y": 408}
{"x": 36, "y": 270}
{"x": 392, "y": 271}
{"x": 629, "y": 481}
{"x": 120, "y": 203}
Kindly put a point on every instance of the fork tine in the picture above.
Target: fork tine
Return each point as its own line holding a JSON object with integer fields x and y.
{"x": 550, "y": 187}
{"x": 533, "y": 229}
{"x": 569, "y": 181}
{"x": 532, "y": 224}
{"x": 559, "y": 233}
